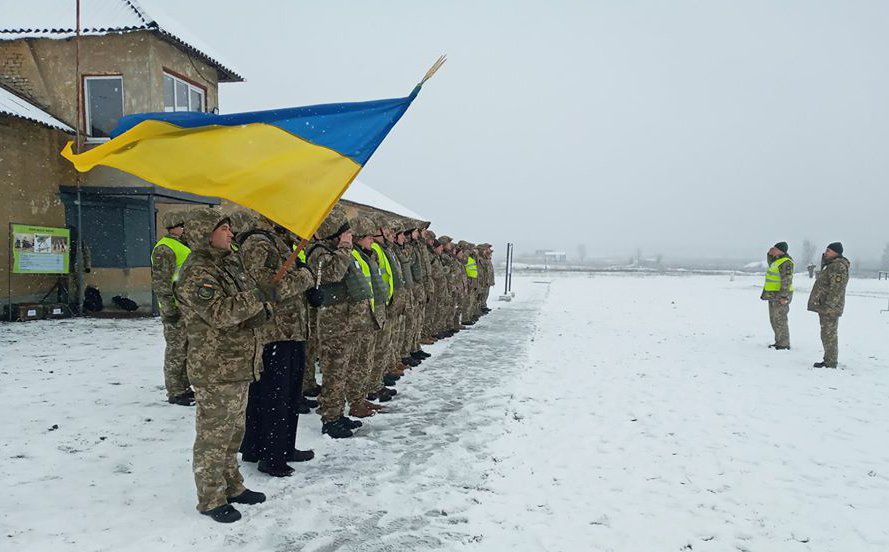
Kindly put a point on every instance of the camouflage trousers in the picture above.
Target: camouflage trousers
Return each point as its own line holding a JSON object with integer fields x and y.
{"x": 778, "y": 318}
{"x": 175, "y": 376}
{"x": 829, "y": 325}
{"x": 420, "y": 312}
{"x": 359, "y": 371}
{"x": 219, "y": 421}
{"x": 395, "y": 316}
{"x": 335, "y": 356}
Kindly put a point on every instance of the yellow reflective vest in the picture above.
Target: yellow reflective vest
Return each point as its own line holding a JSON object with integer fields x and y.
{"x": 773, "y": 276}
{"x": 179, "y": 249}
{"x": 471, "y": 267}
{"x": 385, "y": 268}
{"x": 365, "y": 271}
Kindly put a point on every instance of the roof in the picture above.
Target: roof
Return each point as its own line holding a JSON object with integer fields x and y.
{"x": 58, "y": 20}
{"x": 361, "y": 193}
{"x": 13, "y": 105}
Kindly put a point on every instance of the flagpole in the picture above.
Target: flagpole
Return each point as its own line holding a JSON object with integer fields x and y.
{"x": 77, "y": 176}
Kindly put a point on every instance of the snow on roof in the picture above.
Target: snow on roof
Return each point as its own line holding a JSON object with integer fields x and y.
{"x": 56, "y": 19}
{"x": 359, "y": 192}
{"x": 10, "y": 104}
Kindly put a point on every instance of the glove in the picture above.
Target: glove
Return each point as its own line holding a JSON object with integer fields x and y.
{"x": 315, "y": 297}
{"x": 268, "y": 292}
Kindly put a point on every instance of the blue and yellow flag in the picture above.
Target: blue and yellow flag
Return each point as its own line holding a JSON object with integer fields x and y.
{"x": 291, "y": 165}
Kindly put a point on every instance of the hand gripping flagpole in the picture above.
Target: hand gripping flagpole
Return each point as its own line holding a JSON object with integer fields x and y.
{"x": 291, "y": 260}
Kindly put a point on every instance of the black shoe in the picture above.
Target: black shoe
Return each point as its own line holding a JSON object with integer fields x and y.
{"x": 420, "y": 355}
{"x": 311, "y": 403}
{"x": 282, "y": 470}
{"x": 350, "y": 423}
{"x": 469, "y": 323}
{"x": 252, "y": 458}
{"x": 486, "y": 310}
{"x": 224, "y": 514}
{"x": 821, "y": 364}
{"x": 297, "y": 455}
{"x": 392, "y": 392}
{"x": 336, "y": 429}
{"x": 371, "y": 396}
{"x": 182, "y": 400}
{"x": 189, "y": 392}
{"x": 384, "y": 396}
{"x": 782, "y": 347}
{"x": 313, "y": 391}
{"x": 424, "y": 353}
{"x": 412, "y": 362}
{"x": 390, "y": 379}
{"x": 247, "y": 497}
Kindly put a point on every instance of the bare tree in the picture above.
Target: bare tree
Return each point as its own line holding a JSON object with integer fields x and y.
{"x": 809, "y": 251}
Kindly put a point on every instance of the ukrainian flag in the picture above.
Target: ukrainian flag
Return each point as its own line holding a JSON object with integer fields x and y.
{"x": 292, "y": 165}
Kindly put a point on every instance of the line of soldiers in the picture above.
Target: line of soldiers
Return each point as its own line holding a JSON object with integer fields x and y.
{"x": 827, "y": 298}
{"x": 364, "y": 297}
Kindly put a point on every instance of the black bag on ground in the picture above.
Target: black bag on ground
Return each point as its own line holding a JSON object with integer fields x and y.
{"x": 92, "y": 300}
{"x": 125, "y": 303}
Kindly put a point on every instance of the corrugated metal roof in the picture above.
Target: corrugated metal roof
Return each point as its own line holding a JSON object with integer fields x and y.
{"x": 10, "y": 104}
{"x": 57, "y": 19}
{"x": 361, "y": 193}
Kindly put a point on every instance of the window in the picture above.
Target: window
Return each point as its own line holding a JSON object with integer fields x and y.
{"x": 180, "y": 95}
{"x": 103, "y": 99}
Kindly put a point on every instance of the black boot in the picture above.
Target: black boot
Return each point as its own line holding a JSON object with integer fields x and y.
{"x": 390, "y": 379}
{"x": 247, "y": 497}
{"x": 185, "y": 399}
{"x": 372, "y": 396}
{"x": 384, "y": 396}
{"x": 224, "y": 514}
{"x": 350, "y": 423}
{"x": 782, "y": 347}
{"x": 821, "y": 364}
{"x": 297, "y": 455}
{"x": 281, "y": 470}
{"x": 336, "y": 429}
{"x": 252, "y": 458}
{"x": 420, "y": 355}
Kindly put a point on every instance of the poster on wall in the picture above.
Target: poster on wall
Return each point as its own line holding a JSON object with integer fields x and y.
{"x": 40, "y": 249}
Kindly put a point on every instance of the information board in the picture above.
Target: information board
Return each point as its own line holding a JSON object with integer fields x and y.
{"x": 40, "y": 249}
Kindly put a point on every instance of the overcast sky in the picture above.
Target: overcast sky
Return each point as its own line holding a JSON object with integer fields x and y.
{"x": 710, "y": 128}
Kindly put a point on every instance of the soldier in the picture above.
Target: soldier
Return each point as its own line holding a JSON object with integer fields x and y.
{"x": 778, "y": 291}
{"x": 828, "y": 299}
{"x": 342, "y": 317}
{"x": 222, "y": 307}
{"x": 416, "y": 296}
{"x": 488, "y": 278}
{"x": 362, "y": 368}
{"x": 167, "y": 257}
{"x": 273, "y": 401}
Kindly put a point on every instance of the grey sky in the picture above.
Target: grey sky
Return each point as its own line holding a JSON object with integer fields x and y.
{"x": 709, "y": 127}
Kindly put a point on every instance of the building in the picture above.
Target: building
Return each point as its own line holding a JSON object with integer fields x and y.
{"x": 130, "y": 61}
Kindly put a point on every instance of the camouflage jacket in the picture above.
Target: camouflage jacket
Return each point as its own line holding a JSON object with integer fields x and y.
{"x": 439, "y": 274}
{"x": 828, "y": 296}
{"x": 263, "y": 253}
{"x": 421, "y": 252}
{"x": 221, "y": 309}
{"x": 163, "y": 266}
{"x": 786, "y": 272}
{"x": 330, "y": 264}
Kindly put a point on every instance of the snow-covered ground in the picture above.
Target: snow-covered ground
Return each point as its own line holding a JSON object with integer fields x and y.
{"x": 604, "y": 412}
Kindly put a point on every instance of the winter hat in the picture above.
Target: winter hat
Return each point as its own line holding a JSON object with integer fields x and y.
{"x": 782, "y": 246}
{"x": 836, "y": 247}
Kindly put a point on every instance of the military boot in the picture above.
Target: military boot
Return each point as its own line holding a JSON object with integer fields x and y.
{"x": 824, "y": 364}
{"x": 224, "y": 514}
{"x": 336, "y": 429}
{"x": 360, "y": 409}
{"x": 421, "y": 354}
{"x": 410, "y": 361}
{"x": 350, "y": 423}
{"x": 390, "y": 379}
{"x": 275, "y": 470}
{"x": 297, "y": 455}
{"x": 247, "y": 497}
{"x": 185, "y": 399}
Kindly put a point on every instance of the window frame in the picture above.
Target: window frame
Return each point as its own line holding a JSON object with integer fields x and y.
{"x": 86, "y": 104}
{"x": 190, "y": 86}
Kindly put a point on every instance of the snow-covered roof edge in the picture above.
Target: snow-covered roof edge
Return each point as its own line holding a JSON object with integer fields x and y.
{"x": 101, "y": 17}
{"x": 362, "y": 194}
{"x": 16, "y": 106}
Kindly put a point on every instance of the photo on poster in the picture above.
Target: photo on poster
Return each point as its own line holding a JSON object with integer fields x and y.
{"x": 42, "y": 243}
{"x": 24, "y": 242}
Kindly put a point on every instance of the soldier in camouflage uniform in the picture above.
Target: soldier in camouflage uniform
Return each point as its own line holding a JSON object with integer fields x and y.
{"x": 416, "y": 295}
{"x": 167, "y": 257}
{"x": 361, "y": 371}
{"x": 444, "y": 296}
{"x": 273, "y": 401}
{"x": 425, "y": 292}
{"x": 222, "y": 308}
{"x": 342, "y": 317}
{"x": 828, "y": 299}
{"x": 778, "y": 291}
{"x": 487, "y": 279}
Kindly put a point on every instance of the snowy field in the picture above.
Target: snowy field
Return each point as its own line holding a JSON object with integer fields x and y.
{"x": 607, "y": 412}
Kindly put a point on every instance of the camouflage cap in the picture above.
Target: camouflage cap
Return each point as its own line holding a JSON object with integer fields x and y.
{"x": 201, "y": 223}
{"x": 429, "y": 234}
{"x": 335, "y": 224}
{"x": 172, "y": 219}
{"x": 364, "y": 225}
{"x": 445, "y": 239}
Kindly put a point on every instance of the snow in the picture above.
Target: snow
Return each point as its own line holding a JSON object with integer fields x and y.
{"x": 11, "y": 104}
{"x": 359, "y": 192}
{"x": 621, "y": 412}
{"x": 58, "y": 20}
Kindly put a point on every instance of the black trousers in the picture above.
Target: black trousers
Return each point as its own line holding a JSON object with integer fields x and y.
{"x": 272, "y": 403}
